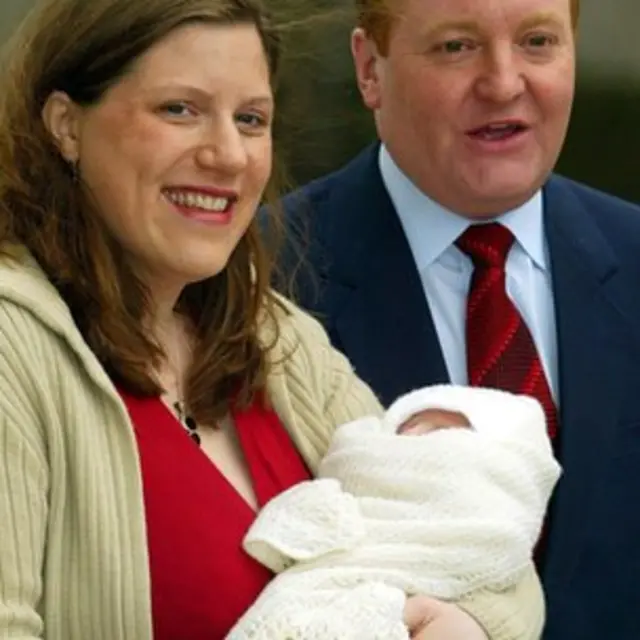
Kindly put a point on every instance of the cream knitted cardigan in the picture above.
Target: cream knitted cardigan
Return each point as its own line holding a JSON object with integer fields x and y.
{"x": 73, "y": 550}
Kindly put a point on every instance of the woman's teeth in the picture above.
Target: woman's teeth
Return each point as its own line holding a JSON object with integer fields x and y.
{"x": 198, "y": 200}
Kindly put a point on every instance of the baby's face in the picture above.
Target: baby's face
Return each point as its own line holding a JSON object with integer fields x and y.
{"x": 432, "y": 420}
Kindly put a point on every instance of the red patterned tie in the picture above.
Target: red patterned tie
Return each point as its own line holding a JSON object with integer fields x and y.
{"x": 500, "y": 350}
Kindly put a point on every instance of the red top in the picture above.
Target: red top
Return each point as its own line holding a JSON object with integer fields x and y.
{"x": 201, "y": 579}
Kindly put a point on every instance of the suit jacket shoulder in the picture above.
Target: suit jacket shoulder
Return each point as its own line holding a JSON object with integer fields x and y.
{"x": 604, "y": 231}
{"x": 335, "y": 222}
{"x": 614, "y": 214}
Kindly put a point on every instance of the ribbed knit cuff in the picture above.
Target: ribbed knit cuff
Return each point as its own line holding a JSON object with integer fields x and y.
{"x": 515, "y": 614}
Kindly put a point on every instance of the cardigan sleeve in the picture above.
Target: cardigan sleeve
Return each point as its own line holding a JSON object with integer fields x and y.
{"x": 514, "y": 614}
{"x": 315, "y": 390}
{"x": 23, "y": 483}
{"x": 312, "y": 386}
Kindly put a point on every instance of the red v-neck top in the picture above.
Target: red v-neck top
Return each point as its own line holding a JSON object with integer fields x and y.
{"x": 201, "y": 579}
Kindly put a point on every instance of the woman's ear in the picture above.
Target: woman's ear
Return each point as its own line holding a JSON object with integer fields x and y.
{"x": 61, "y": 117}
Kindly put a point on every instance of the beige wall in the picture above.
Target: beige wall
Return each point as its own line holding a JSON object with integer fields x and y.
{"x": 608, "y": 40}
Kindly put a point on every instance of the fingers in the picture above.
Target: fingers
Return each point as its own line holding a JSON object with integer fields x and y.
{"x": 430, "y": 619}
{"x": 419, "y": 611}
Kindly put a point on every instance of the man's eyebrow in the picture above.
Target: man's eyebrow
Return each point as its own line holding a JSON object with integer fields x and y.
{"x": 542, "y": 18}
{"x": 537, "y": 19}
{"x": 451, "y": 25}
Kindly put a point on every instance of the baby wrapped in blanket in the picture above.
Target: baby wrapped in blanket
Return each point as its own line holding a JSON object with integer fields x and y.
{"x": 391, "y": 515}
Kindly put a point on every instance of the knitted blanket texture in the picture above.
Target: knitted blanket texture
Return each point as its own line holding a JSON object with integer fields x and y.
{"x": 441, "y": 514}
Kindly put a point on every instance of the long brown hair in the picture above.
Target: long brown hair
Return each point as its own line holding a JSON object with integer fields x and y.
{"x": 83, "y": 47}
{"x": 376, "y": 17}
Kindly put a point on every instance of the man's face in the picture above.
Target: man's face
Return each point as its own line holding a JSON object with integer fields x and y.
{"x": 473, "y": 97}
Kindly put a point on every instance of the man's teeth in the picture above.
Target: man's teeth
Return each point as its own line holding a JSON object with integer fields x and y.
{"x": 496, "y": 131}
{"x": 199, "y": 200}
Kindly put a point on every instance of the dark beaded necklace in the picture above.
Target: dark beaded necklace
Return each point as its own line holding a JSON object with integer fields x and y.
{"x": 187, "y": 421}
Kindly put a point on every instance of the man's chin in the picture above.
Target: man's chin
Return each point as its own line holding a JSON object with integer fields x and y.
{"x": 505, "y": 191}
{"x": 497, "y": 200}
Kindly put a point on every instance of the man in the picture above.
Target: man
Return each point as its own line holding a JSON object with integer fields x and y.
{"x": 472, "y": 100}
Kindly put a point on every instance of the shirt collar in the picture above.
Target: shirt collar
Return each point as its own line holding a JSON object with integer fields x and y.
{"x": 431, "y": 229}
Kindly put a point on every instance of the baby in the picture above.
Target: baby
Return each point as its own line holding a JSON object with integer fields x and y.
{"x": 390, "y": 516}
{"x": 430, "y": 420}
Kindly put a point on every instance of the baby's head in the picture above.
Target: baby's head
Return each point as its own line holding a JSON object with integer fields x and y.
{"x": 429, "y": 420}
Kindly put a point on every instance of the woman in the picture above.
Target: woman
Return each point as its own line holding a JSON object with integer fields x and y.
{"x": 153, "y": 391}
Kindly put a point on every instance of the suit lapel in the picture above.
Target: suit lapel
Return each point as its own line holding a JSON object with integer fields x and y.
{"x": 593, "y": 345}
{"x": 383, "y": 322}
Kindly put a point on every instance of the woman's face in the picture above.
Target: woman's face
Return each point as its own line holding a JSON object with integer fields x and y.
{"x": 177, "y": 154}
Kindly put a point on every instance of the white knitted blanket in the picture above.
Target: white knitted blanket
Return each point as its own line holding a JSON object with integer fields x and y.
{"x": 441, "y": 514}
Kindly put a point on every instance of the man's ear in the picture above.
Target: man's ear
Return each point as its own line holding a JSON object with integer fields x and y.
{"x": 61, "y": 117}
{"x": 367, "y": 61}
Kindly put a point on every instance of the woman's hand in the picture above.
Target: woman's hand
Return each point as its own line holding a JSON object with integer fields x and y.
{"x": 430, "y": 619}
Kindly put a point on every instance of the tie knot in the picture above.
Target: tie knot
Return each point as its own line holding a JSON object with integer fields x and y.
{"x": 486, "y": 244}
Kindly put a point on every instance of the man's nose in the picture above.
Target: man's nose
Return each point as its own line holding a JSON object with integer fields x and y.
{"x": 501, "y": 79}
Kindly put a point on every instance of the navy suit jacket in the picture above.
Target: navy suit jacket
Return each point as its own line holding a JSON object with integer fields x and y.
{"x": 359, "y": 278}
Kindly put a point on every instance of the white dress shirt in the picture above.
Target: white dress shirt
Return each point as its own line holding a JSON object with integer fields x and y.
{"x": 445, "y": 271}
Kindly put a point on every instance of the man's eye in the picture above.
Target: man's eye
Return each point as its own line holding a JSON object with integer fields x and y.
{"x": 539, "y": 40}
{"x": 454, "y": 46}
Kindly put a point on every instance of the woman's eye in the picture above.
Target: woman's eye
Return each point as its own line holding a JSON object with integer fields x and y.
{"x": 253, "y": 120}
{"x": 177, "y": 109}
